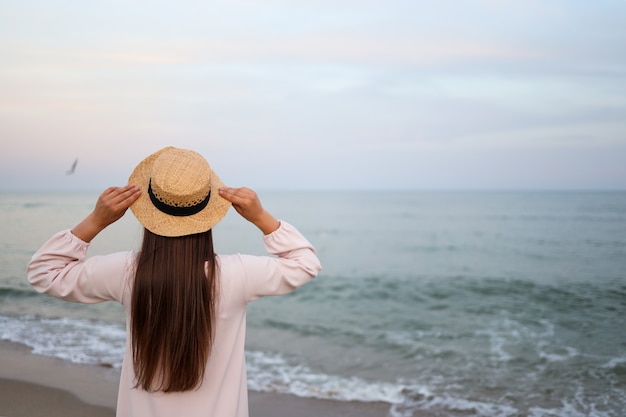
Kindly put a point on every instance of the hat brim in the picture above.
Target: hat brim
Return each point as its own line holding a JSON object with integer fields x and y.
{"x": 163, "y": 224}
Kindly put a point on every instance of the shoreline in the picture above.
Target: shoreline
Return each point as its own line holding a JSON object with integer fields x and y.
{"x": 34, "y": 385}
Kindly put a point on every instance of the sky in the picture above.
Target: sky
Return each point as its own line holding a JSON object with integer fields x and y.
{"x": 317, "y": 94}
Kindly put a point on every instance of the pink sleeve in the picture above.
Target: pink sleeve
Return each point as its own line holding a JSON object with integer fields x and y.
{"x": 294, "y": 265}
{"x": 60, "y": 268}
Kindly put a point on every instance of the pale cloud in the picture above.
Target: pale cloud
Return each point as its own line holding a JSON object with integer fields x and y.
{"x": 316, "y": 49}
{"x": 348, "y": 50}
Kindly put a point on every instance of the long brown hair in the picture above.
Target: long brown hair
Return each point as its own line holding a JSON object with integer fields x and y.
{"x": 173, "y": 307}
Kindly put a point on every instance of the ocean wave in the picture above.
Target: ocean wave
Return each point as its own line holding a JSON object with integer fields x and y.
{"x": 420, "y": 398}
{"x": 75, "y": 340}
{"x": 578, "y": 406}
{"x": 273, "y": 372}
{"x": 617, "y": 366}
{"x": 94, "y": 342}
{"x": 17, "y": 293}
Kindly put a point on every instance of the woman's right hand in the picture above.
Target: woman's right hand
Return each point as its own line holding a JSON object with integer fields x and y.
{"x": 248, "y": 205}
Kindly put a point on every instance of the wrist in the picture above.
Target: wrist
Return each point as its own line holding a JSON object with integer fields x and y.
{"x": 267, "y": 223}
{"x": 87, "y": 229}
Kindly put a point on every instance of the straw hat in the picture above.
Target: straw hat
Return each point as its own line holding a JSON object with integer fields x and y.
{"x": 179, "y": 193}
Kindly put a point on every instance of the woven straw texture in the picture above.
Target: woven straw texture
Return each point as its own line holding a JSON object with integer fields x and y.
{"x": 180, "y": 178}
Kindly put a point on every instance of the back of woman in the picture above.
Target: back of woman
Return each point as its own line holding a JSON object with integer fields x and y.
{"x": 185, "y": 305}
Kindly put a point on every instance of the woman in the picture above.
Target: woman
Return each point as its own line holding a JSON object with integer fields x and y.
{"x": 185, "y": 306}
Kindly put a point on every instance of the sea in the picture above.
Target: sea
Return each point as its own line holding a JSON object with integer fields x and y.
{"x": 439, "y": 303}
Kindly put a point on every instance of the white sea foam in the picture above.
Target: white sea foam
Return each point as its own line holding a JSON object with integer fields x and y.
{"x": 78, "y": 341}
{"x": 567, "y": 410}
{"x": 420, "y": 398}
{"x": 614, "y": 363}
{"x": 568, "y": 353}
{"x": 95, "y": 343}
{"x": 275, "y": 373}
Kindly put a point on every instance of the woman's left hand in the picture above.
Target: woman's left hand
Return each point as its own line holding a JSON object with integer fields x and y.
{"x": 110, "y": 207}
{"x": 113, "y": 203}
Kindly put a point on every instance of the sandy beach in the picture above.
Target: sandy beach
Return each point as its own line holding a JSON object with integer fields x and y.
{"x": 38, "y": 386}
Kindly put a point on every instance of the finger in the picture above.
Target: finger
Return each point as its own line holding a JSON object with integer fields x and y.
{"x": 128, "y": 195}
{"x": 109, "y": 191}
{"x": 129, "y": 190}
{"x": 234, "y": 195}
{"x": 117, "y": 197}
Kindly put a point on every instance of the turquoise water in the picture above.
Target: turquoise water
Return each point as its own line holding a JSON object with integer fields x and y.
{"x": 460, "y": 303}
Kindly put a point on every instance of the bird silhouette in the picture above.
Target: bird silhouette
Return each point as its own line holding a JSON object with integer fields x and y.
{"x": 73, "y": 168}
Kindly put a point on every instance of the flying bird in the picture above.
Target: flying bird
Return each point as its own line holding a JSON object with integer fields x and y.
{"x": 73, "y": 168}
